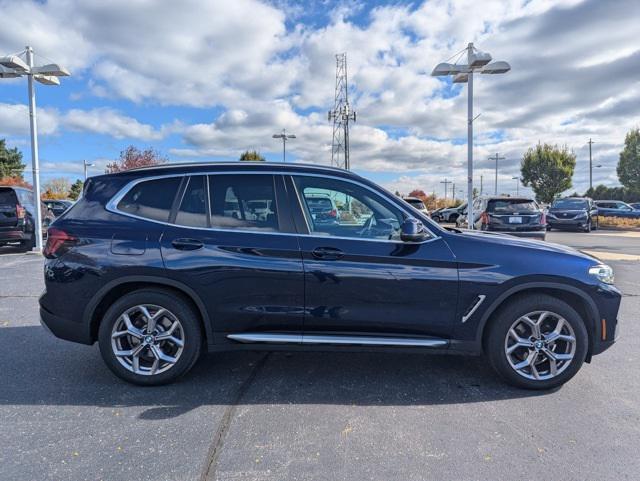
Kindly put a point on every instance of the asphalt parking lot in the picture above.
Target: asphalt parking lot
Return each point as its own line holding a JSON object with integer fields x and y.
{"x": 312, "y": 416}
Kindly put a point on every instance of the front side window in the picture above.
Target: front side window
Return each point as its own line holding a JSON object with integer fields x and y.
{"x": 193, "y": 210}
{"x": 243, "y": 202}
{"x": 343, "y": 209}
{"x": 151, "y": 199}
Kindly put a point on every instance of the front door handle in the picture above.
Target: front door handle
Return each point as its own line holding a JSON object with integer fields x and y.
{"x": 327, "y": 253}
{"x": 187, "y": 244}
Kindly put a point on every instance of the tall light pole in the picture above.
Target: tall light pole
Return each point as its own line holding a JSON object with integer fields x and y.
{"x": 517, "y": 179}
{"x": 481, "y": 184}
{"x": 453, "y": 191}
{"x": 13, "y": 66}
{"x": 496, "y": 157}
{"x": 477, "y": 61}
{"x": 590, "y": 165}
{"x": 284, "y": 136}
{"x": 86, "y": 164}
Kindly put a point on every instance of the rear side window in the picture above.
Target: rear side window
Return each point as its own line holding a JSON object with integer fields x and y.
{"x": 8, "y": 196}
{"x": 512, "y": 206}
{"x": 243, "y": 202}
{"x": 151, "y": 199}
{"x": 193, "y": 210}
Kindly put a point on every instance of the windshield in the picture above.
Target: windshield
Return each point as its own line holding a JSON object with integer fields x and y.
{"x": 417, "y": 203}
{"x": 569, "y": 204}
{"x": 511, "y": 206}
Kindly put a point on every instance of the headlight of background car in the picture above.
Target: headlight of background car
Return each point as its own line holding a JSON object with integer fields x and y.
{"x": 549, "y": 214}
{"x": 603, "y": 272}
{"x": 582, "y": 216}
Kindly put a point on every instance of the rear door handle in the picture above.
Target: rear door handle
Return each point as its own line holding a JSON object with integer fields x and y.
{"x": 327, "y": 253}
{"x": 187, "y": 244}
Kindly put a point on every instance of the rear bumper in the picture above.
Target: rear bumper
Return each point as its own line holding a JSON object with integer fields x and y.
{"x": 14, "y": 235}
{"x": 64, "y": 328}
{"x": 534, "y": 234}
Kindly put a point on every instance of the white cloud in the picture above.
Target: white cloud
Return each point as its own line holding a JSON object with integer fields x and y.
{"x": 110, "y": 122}
{"x": 575, "y": 75}
{"x": 14, "y": 120}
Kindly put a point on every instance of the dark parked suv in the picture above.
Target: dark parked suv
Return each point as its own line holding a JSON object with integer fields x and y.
{"x": 573, "y": 213}
{"x": 518, "y": 216}
{"x": 165, "y": 262}
{"x": 17, "y": 216}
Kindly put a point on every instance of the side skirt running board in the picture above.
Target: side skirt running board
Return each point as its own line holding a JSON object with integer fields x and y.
{"x": 341, "y": 340}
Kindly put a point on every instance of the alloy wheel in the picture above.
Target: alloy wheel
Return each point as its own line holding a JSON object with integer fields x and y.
{"x": 540, "y": 345}
{"x": 147, "y": 339}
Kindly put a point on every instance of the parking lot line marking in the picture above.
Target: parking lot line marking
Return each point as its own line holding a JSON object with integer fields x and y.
{"x": 611, "y": 256}
{"x": 626, "y": 233}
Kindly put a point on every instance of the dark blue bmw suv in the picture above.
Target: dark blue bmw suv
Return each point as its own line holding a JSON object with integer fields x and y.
{"x": 159, "y": 264}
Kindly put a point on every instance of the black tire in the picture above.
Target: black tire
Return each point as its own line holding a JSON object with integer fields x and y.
{"x": 29, "y": 244}
{"x": 548, "y": 228}
{"x": 178, "y": 306}
{"x": 498, "y": 332}
{"x": 587, "y": 228}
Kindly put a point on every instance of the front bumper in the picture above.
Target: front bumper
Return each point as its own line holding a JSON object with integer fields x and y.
{"x": 567, "y": 223}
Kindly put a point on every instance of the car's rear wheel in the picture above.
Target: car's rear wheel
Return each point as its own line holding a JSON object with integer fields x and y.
{"x": 538, "y": 342}
{"x": 150, "y": 337}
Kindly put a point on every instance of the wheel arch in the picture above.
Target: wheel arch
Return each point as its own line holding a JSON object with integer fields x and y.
{"x": 576, "y": 298}
{"x": 112, "y": 290}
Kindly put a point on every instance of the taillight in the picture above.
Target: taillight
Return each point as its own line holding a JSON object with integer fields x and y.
{"x": 333, "y": 213}
{"x": 58, "y": 241}
{"x": 20, "y": 212}
{"x": 543, "y": 218}
{"x": 484, "y": 218}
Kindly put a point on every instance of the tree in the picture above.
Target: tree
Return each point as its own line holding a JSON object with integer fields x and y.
{"x": 132, "y": 158}
{"x": 548, "y": 170}
{"x": 10, "y": 161}
{"x": 76, "y": 189}
{"x": 56, "y": 188}
{"x": 417, "y": 193}
{"x": 629, "y": 163}
{"x": 251, "y": 156}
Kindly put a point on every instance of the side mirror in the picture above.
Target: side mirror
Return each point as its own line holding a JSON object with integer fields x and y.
{"x": 412, "y": 230}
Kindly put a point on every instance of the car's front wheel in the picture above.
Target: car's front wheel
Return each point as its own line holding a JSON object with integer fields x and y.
{"x": 538, "y": 342}
{"x": 150, "y": 337}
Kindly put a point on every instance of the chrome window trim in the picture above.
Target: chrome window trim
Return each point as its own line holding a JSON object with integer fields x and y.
{"x": 111, "y": 206}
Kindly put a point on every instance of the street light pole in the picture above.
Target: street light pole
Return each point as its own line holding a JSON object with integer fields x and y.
{"x": 35, "y": 161}
{"x": 590, "y": 165}
{"x": 476, "y": 61}
{"x": 446, "y": 183}
{"x": 284, "y": 136}
{"x": 517, "y": 179}
{"x": 470, "y": 137}
{"x": 12, "y": 66}
{"x": 85, "y": 165}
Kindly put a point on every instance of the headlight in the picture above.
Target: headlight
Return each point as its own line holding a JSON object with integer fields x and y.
{"x": 549, "y": 214}
{"x": 603, "y": 272}
{"x": 582, "y": 216}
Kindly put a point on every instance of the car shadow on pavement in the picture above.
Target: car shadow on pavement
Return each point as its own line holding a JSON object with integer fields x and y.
{"x": 38, "y": 369}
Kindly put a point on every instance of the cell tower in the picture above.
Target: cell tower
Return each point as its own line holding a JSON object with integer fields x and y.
{"x": 341, "y": 114}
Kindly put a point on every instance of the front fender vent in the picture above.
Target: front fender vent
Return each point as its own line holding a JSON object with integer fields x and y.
{"x": 473, "y": 306}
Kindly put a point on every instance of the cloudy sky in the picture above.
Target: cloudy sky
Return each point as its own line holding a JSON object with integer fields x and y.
{"x": 206, "y": 79}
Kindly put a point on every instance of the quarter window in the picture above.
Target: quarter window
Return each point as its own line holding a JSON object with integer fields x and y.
{"x": 243, "y": 202}
{"x": 343, "y": 209}
{"x": 193, "y": 210}
{"x": 151, "y": 199}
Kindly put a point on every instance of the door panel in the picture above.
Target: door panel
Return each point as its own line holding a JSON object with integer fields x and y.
{"x": 247, "y": 271}
{"x": 380, "y": 287}
{"x": 359, "y": 277}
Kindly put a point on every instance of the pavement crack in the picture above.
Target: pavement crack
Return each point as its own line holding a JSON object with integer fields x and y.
{"x": 217, "y": 442}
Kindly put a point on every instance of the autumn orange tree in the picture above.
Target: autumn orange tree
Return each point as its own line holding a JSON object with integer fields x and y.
{"x": 132, "y": 158}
